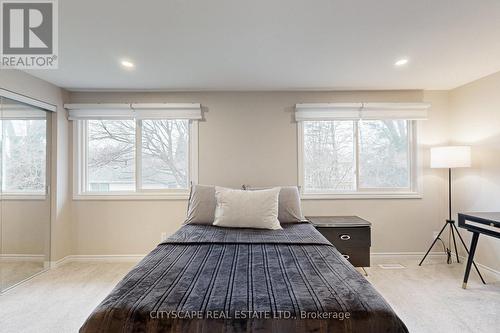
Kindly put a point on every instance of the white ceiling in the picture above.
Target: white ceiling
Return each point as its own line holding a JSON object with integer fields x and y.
{"x": 275, "y": 44}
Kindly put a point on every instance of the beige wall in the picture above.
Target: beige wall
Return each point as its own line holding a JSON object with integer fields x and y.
{"x": 61, "y": 227}
{"x": 251, "y": 138}
{"x": 475, "y": 121}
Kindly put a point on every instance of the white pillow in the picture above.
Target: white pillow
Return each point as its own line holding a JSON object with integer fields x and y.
{"x": 247, "y": 209}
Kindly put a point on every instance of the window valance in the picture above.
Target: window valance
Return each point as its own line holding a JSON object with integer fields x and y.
{"x": 100, "y": 111}
{"x": 357, "y": 111}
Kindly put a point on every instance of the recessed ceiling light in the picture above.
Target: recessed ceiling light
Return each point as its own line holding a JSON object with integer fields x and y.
{"x": 127, "y": 64}
{"x": 401, "y": 62}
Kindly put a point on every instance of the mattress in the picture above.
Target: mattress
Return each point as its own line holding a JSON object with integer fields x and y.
{"x": 211, "y": 279}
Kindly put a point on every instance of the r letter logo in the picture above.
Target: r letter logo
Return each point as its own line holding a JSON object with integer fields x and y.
{"x": 29, "y": 34}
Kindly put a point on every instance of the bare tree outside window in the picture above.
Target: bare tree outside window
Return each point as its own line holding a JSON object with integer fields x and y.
{"x": 332, "y": 150}
{"x": 112, "y": 154}
{"x": 329, "y": 155}
{"x": 165, "y": 154}
{"x": 383, "y": 154}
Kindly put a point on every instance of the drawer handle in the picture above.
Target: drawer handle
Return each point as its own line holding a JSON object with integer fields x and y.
{"x": 346, "y": 256}
{"x": 345, "y": 237}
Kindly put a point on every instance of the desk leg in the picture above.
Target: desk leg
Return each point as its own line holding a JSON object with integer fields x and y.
{"x": 473, "y": 245}
{"x": 467, "y": 250}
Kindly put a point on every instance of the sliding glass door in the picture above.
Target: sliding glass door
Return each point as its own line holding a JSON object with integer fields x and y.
{"x": 24, "y": 196}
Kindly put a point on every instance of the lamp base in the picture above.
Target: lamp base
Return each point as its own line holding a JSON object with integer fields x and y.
{"x": 453, "y": 228}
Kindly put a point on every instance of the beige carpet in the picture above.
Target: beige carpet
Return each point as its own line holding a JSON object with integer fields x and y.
{"x": 428, "y": 298}
{"x": 13, "y": 271}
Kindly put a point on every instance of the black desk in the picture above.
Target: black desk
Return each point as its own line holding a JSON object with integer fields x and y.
{"x": 478, "y": 223}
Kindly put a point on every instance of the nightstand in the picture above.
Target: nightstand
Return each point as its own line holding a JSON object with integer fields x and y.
{"x": 351, "y": 235}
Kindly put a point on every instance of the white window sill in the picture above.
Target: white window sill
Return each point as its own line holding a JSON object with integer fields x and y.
{"x": 131, "y": 197}
{"x": 360, "y": 195}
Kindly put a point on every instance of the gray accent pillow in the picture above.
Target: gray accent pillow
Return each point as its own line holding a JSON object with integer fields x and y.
{"x": 289, "y": 209}
{"x": 201, "y": 206}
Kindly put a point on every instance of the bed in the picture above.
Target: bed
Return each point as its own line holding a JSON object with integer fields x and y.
{"x": 211, "y": 279}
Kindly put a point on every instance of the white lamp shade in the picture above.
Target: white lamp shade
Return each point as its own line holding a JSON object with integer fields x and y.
{"x": 450, "y": 157}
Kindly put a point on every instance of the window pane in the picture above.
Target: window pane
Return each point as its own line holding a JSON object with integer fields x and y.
{"x": 24, "y": 155}
{"x": 329, "y": 155}
{"x": 165, "y": 147}
{"x": 111, "y": 155}
{"x": 384, "y": 156}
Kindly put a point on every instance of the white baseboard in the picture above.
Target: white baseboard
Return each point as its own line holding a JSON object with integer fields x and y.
{"x": 394, "y": 257}
{"x": 404, "y": 255}
{"x": 376, "y": 256}
{"x": 487, "y": 268}
{"x": 97, "y": 258}
{"x": 22, "y": 257}
{"x": 60, "y": 262}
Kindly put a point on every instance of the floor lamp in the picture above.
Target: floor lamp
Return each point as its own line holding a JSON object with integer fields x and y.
{"x": 450, "y": 157}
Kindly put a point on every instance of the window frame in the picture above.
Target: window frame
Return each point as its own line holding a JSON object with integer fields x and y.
{"x": 413, "y": 192}
{"x": 80, "y": 153}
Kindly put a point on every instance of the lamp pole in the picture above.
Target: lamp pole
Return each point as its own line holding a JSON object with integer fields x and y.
{"x": 450, "y": 220}
{"x": 449, "y": 192}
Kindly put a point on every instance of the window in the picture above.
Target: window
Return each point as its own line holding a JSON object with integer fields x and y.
{"x": 135, "y": 157}
{"x": 110, "y": 155}
{"x": 358, "y": 157}
{"x": 384, "y": 154}
{"x": 165, "y": 160}
{"x": 329, "y": 160}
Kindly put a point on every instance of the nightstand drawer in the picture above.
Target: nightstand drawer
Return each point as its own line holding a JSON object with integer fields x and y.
{"x": 349, "y": 234}
{"x": 347, "y": 237}
{"x": 357, "y": 256}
